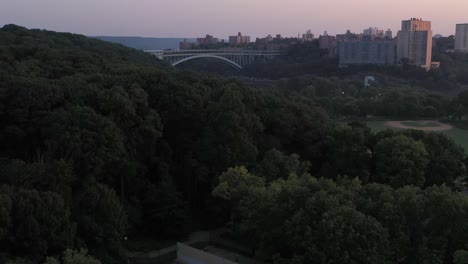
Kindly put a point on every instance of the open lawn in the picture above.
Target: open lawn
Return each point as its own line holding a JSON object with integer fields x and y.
{"x": 420, "y": 123}
{"x": 460, "y": 136}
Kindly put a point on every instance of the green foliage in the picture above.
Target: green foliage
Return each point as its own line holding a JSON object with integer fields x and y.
{"x": 276, "y": 165}
{"x": 306, "y": 220}
{"x": 19, "y": 261}
{"x": 235, "y": 182}
{"x": 54, "y": 176}
{"x": 447, "y": 225}
{"x": 446, "y": 160}
{"x": 233, "y": 126}
{"x": 101, "y": 221}
{"x": 51, "y": 260}
{"x": 6, "y": 204}
{"x": 90, "y": 140}
{"x": 37, "y": 222}
{"x": 78, "y": 257}
{"x": 460, "y": 257}
{"x": 401, "y": 161}
{"x": 74, "y": 257}
{"x": 358, "y": 238}
{"x": 350, "y": 150}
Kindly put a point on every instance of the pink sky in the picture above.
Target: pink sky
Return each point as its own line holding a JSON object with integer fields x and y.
{"x": 192, "y": 18}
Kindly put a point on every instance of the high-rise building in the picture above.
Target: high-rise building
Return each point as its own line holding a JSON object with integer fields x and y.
{"x": 415, "y": 24}
{"x": 348, "y": 36}
{"x": 461, "y": 38}
{"x": 388, "y": 34}
{"x": 308, "y": 36}
{"x": 239, "y": 39}
{"x": 367, "y": 51}
{"x": 415, "y": 42}
{"x": 328, "y": 42}
{"x": 373, "y": 32}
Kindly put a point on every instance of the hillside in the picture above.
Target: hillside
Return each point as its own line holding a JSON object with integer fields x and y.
{"x": 107, "y": 142}
{"x": 145, "y": 43}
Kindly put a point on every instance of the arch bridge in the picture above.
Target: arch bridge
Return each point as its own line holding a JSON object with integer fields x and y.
{"x": 238, "y": 58}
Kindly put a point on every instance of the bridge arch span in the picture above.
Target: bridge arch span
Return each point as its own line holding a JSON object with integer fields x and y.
{"x": 233, "y": 63}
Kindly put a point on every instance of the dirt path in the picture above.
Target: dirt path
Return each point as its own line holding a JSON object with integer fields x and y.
{"x": 441, "y": 127}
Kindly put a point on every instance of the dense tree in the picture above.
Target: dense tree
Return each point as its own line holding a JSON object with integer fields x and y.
{"x": 276, "y": 165}
{"x": 101, "y": 221}
{"x": 233, "y": 185}
{"x": 93, "y": 142}
{"x": 461, "y": 103}
{"x": 447, "y": 229}
{"x": 400, "y": 161}
{"x": 350, "y": 151}
{"x": 280, "y": 218}
{"x": 460, "y": 257}
{"x": 235, "y": 182}
{"x": 358, "y": 239}
{"x": 232, "y": 128}
{"x": 41, "y": 224}
{"x": 74, "y": 257}
{"x": 446, "y": 160}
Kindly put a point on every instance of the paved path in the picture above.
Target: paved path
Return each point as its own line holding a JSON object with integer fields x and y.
{"x": 150, "y": 257}
{"x": 214, "y": 236}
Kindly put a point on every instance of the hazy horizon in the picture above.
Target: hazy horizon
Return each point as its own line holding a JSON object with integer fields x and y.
{"x": 221, "y": 18}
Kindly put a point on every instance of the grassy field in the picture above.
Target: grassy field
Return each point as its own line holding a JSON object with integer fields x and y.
{"x": 460, "y": 136}
{"x": 420, "y": 124}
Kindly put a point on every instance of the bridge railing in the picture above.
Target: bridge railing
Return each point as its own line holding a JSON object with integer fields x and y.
{"x": 169, "y": 53}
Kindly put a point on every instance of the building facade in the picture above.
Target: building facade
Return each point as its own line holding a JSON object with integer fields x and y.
{"x": 207, "y": 40}
{"x": 389, "y": 34}
{"x": 239, "y": 39}
{"x": 461, "y": 37}
{"x": 373, "y": 31}
{"x": 328, "y": 43}
{"x": 415, "y": 43}
{"x": 415, "y": 24}
{"x": 186, "y": 45}
{"x": 367, "y": 51}
{"x": 308, "y": 36}
{"x": 348, "y": 36}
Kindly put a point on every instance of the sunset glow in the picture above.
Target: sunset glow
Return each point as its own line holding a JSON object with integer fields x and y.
{"x": 192, "y": 18}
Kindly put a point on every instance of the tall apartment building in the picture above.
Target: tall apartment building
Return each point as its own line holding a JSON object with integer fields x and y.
{"x": 329, "y": 43}
{"x": 348, "y": 36}
{"x": 373, "y": 32}
{"x": 415, "y": 42}
{"x": 239, "y": 39}
{"x": 367, "y": 51}
{"x": 388, "y": 34}
{"x": 461, "y": 38}
{"x": 308, "y": 36}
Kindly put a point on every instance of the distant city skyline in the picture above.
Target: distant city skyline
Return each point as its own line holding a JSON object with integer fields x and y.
{"x": 221, "y": 18}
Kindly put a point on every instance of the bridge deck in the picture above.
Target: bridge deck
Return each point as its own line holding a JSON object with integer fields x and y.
{"x": 236, "y": 57}
{"x": 216, "y": 51}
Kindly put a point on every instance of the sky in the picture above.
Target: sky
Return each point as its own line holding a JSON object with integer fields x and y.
{"x": 221, "y": 18}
